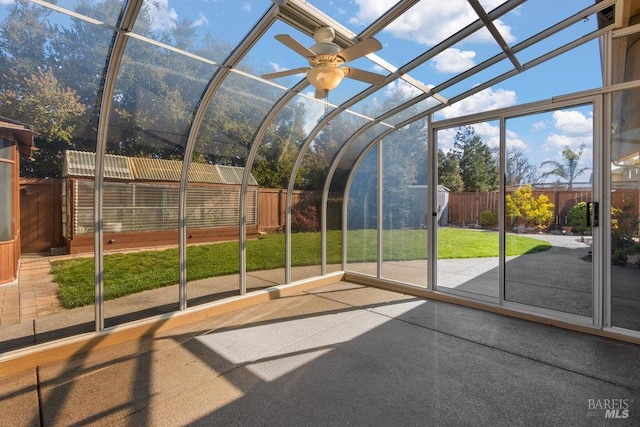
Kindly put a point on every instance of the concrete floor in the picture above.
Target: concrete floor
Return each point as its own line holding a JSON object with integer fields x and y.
{"x": 337, "y": 355}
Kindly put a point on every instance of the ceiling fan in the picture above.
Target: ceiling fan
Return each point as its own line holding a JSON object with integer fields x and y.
{"x": 326, "y": 59}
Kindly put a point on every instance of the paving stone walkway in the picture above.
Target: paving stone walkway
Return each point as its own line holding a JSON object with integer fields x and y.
{"x": 35, "y": 295}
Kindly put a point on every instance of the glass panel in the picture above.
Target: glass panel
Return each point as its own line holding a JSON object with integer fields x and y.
{"x": 362, "y": 217}
{"x": 357, "y": 13}
{"x": 155, "y": 96}
{"x": 559, "y": 39}
{"x": 423, "y": 26}
{"x": 385, "y": 100}
{"x": 197, "y": 27}
{"x": 223, "y": 143}
{"x": 468, "y": 244}
{"x": 416, "y": 109}
{"x": 404, "y": 201}
{"x": 549, "y": 187}
{"x": 272, "y": 169}
{"x": 478, "y": 75}
{"x": 105, "y": 11}
{"x": 6, "y": 195}
{"x": 625, "y": 188}
{"x": 531, "y": 18}
{"x": 51, "y": 59}
{"x": 457, "y": 59}
{"x": 7, "y": 148}
{"x": 305, "y": 217}
{"x": 585, "y": 57}
{"x": 359, "y": 145}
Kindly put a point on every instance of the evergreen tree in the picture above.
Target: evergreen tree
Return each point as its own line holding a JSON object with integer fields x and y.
{"x": 478, "y": 165}
{"x": 449, "y": 171}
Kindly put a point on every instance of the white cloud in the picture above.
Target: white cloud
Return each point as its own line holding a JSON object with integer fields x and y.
{"x": 247, "y": 7}
{"x": 538, "y": 126}
{"x": 558, "y": 142}
{"x": 428, "y": 22}
{"x": 454, "y": 60}
{"x": 484, "y": 36}
{"x": 573, "y": 122}
{"x": 488, "y": 99}
{"x": 162, "y": 17}
{"x": 574, "y": 130}
{"x": 5, "y": 2}
{"x": 399, "y": 86}
{"x": 277, "y": 67}
{"x": 489, "y": 133}
{"x": 514, "y": 141}
{"x": 446, "y": 138}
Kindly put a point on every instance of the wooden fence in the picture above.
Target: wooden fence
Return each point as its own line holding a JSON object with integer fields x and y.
{"x": 465, "y": 208}
{"x": 272, "y": 204}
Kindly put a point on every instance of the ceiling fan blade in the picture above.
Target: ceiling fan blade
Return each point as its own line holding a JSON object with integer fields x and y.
{"x": 321, "y": 93}
{"x": 285, "y": 73}
{"x": 294, "y": 45}
{"x": 364, "y": 76}
{"x": 360, "y": 49}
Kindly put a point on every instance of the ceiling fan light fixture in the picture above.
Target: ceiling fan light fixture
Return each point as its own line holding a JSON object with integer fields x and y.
{"x": 325, "y": 77}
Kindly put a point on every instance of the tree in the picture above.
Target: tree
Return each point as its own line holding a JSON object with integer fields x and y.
{"x": 449, "y": 171}
{"x": 23, "y": 41}
{"x": 478, "y": 165}
{"x": 526, "y": 210}
{"x": 567, "y": 170}
{"x": 279, "y": 149}
{"x": 54, "y": 111}
{"x": 518, "y": 170}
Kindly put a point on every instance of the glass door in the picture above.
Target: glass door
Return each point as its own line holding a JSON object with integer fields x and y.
{"x": 466, "y": 210}
{"x": 624, "y": 294}
{"x": 551, "y": 211}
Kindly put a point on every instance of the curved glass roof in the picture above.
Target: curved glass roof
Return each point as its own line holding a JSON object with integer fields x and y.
{"x": 191, "y": 71}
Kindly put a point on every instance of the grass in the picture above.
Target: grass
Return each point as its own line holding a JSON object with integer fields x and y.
{"x": 130, "y": 273}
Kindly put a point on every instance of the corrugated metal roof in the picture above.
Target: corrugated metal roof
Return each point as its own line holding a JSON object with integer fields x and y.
{"x": 233, "y": 175}
{"x": 146, "y": 169}
{"x": 202, "y": 172}
{"x": 81, "y": 163}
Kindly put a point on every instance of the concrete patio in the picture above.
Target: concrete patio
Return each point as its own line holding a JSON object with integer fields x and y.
{"x": 336, "y": 355}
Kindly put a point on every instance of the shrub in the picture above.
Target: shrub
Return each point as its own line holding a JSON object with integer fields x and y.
{"x": 524, "y": 209}
{"x": 577, "y": 217}
{"x": 305, "y": 220}
{"x": 624, "y": 232}
{"x": 488, "y": 219}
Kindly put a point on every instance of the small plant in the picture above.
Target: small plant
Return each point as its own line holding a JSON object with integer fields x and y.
{"x": 487, "y": 219}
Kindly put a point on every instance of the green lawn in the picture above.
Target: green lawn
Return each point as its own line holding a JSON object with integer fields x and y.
{"x": 125, "y": 274}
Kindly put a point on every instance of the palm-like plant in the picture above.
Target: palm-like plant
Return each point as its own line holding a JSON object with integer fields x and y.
{"x": 568, "y": 170}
